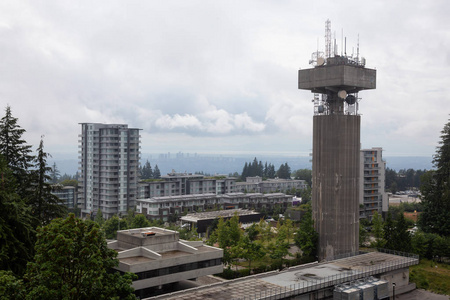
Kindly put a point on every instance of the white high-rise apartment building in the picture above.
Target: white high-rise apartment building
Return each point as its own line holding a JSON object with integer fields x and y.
{"x": 109, "y": 168}
{"x": 372, "y": 195}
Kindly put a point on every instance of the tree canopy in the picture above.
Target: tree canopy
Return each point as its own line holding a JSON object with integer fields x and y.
{"x": 284, "y": 171}
{"x": 46, "y": 206}
{"x": 435, "y": 190}
{"x": 72, "y": 261}
{"x": 15, "y": 150}
{"x": 17, "y": 225}
{"x": 307, "y": 237}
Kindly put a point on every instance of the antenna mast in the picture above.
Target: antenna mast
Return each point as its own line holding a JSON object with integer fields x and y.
{"x": 327, "y": 38}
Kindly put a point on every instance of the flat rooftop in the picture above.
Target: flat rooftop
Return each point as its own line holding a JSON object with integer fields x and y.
{"x": 299, "y": 279}
{"x": 139, "y": 231}
{"x": 228, "y": 213}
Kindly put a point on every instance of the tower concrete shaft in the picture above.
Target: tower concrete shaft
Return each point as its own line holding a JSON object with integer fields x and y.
{"x": 336, "y": 82}
{"x": 335, "y": 183}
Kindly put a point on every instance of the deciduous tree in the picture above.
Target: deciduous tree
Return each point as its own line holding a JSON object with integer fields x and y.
{"x": 307, "y": 237}
{"x": 112, "y": 225}
{"x": 72, "y": 261}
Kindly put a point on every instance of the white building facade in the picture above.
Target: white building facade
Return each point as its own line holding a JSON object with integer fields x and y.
{"x": 372, "y": 195}
{"x": 176, "y": 184}
{"x": 109, "y": 167}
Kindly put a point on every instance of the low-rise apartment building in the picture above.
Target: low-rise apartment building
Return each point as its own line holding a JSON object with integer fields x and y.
{"x": 175, "y": 184}
{"x": 161, "y": 208}
{"x": 257, "y": 185}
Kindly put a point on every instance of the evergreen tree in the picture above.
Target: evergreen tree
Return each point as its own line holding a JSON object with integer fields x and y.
{"x": 15, "y": 151}
{"x": 436, "y": 190}
{"x": 54, "y": 174}
{"x": 402, "y": 237}
{"x": 245, "y": 172}
{"x": 156, "y": 173}
{"x": 284, "y": 171}
{"x": 46, "y": 206}
{"x": 17, "y": 225}
{"x": 147, "y": 172}
{"x": 389, "y": 232}
{"x": 271, "y": 172}
{"x": 260, "y": 172}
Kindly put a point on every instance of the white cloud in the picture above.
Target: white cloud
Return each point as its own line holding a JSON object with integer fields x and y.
{"x": 203, "y": 69}
{"x": 177, "y": 121}
{"x": 211, "y": 122}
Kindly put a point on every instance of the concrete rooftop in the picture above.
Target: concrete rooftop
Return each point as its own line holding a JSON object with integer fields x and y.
{"x": 299, "y": 279}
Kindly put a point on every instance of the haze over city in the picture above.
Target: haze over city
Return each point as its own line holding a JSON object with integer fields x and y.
{"x": 221, "y": 76}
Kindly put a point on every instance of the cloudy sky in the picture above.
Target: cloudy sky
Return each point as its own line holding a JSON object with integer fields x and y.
{"x": 219, "y": 76}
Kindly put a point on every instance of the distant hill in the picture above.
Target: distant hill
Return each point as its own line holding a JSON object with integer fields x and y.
{"x": 225, "y": 164}
{"x": 409, "y": 162}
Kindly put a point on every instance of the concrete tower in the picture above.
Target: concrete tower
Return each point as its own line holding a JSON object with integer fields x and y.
{"x": 335, "y": 81}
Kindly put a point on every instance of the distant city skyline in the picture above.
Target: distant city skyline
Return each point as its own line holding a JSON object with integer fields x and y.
{"x": 210, "y": 163}
{"x": 221, "y": 76}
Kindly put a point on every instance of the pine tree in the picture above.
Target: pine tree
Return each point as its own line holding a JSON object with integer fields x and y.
{"x": 435, "y": 190}
{"x": 284, "y": 171}
{"x": 146, "y": 171}
{"x": 271, "y": 173}
{"x": 46, "y": 206}
{"x": 389, "y": 232}
{"x": 15, "y": 151}
{"x": 156, "y": 173}
{"x": 17, "y": 225}
{"x": 54, "y": 174}
{"x": 402, "y": 237}
{"x": 245, "y": 172}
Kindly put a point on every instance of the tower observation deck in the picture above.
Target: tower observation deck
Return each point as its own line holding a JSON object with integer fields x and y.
{"x": 335, "y": 81}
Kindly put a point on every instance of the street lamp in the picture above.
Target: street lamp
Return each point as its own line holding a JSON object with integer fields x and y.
{"x": 393, "y": 290}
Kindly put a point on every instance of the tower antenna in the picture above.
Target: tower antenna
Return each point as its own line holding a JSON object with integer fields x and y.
{"x": 357, "y": 50}
{"x": 327, "y": 38}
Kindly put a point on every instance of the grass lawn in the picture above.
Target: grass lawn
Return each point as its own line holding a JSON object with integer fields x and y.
{"x": 431, "y": 276}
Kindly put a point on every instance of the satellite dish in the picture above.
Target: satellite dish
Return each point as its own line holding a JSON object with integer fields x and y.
{"x": 350, "y": 99}
{"x": 320, "y": 61}
{"x": 342, "y": 94}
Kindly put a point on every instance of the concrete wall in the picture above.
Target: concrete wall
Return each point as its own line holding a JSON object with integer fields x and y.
{"x": 349, "y": 78}
{"x": 168, "y": 262}
{"x": 335, "y": 203}
{"x": 161, "y": 280}
{"x": 401, "y": 279}
{"x": 158, "y": 242}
